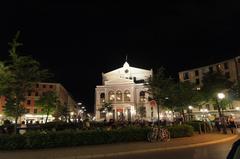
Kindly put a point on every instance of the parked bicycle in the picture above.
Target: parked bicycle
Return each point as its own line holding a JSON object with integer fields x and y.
{"x": 158, "y": 134}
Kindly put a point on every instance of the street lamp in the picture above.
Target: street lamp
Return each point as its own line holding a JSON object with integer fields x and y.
{"x": 221, "y": 96}
{"x": 190, "y": 111}
{"x": 204, "y": 111}
{"x": 81, "y": 111}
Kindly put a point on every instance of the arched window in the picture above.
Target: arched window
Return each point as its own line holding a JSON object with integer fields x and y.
{"x": 142, "y": 96}
{"x": 111, "y": 96}
{"x": 119, "y": 96}
{"x": 127, "y": 96}
{"x": 102, "y": 97}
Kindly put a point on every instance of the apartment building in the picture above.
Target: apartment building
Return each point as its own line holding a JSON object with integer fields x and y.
{"x": 33, "y": 112}
{"x": 230, "y": 68}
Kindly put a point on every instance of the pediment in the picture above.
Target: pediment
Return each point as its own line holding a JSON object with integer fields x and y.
{"x": 119, "y": 81}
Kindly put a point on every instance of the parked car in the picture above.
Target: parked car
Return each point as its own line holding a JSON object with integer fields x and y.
{"x": 235, "y": 151}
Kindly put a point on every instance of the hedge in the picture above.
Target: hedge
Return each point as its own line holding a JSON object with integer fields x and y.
{"x": 68, "y": 138}
{"x": 197, "y": 125}
{"x": 180, "y": 131}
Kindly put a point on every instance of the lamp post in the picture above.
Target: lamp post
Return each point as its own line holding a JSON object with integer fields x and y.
{"x": 190, "y": 112}
{"x": 204, "y": 111}
{"x": 220, "y": 97}
{"x": 79, "y": 111}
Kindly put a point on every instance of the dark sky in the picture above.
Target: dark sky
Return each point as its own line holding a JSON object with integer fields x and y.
{"x": 77, "y": 41}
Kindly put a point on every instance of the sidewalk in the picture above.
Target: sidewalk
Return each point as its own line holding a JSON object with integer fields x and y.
{"x": 95, "y": 151}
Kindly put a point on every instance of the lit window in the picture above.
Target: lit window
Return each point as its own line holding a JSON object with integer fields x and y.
{"x": 119, "y": 95}
{"x": 127, "y": 95}
{"x": 102, "y": 97}
{"x": 142, "y": 96}
{"x": 111, "y": 96}
{"x": 218, "y": 68}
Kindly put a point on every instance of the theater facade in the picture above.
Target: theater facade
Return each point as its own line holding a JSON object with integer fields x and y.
{"x": 124, "y": 88}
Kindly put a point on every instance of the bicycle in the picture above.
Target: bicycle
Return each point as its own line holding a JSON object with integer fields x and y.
{"x": 158, "y": 133}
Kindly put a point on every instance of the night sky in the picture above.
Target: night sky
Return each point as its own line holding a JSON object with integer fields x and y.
{"x": 78, "y": 41}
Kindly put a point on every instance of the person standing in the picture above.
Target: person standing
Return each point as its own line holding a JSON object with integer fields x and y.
{"x": 217, "y": 124}
{"x": 232, "y": 124}
{"x": 23, "y": 128}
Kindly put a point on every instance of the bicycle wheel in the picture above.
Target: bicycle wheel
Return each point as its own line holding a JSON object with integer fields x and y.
{"x": 165, "y": 135}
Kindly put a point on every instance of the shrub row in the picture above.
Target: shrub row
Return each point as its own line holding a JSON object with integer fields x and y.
{"x": 67, "y": 138}
{"x": 180, "y": 131}
{"x": 38, "y": 139}
{"x": 197, "y": 125}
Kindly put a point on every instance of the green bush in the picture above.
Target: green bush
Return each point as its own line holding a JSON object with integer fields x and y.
{"x": 59, "y": 125}
{"x": 180, "y": 131}
{"x": 196, "y": 125}
{"x": 12, "y": 142}
{"x": 41, "y": 139}
{"x": 70, "y": 137}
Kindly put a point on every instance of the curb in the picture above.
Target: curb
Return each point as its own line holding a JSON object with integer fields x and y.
{"x": 151, "y": 150}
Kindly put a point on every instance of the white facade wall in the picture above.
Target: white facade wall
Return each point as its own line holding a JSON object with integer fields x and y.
{"x": 124, "y": 79}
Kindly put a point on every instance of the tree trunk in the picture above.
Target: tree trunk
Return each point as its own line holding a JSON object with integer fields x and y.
{"x": 158, "y": 120}
{"x": 222, "y": 118}
{"x": 173, "y": 113}
{"x": 15, "y": 125}
{"x": 183, "y": 115}
{"x": 47, "y": 116}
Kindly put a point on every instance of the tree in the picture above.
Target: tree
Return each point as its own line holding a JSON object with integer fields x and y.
{"x": 62, "y": 111}
{"x": 6, "y": 76}
{"x": 23, "y": 73}
{"x": 160, "y": 87}
{"x": 106, "y": 107}
{"x": 48, "y": 103}
{"x": 141, "y": 111}
{"x": 214, "y": 83}
{"x": 183, "y": 95}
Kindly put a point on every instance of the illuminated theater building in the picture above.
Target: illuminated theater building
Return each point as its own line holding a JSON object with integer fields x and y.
{"x": 124, "y": 89}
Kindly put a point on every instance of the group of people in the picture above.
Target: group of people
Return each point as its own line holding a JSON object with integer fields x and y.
{"x": 229, "y": 123}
